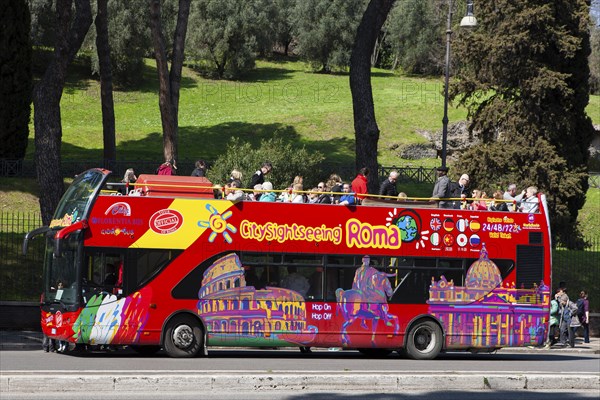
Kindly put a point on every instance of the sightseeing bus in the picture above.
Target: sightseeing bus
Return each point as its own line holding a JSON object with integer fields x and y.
{"x": 171, "y": 267}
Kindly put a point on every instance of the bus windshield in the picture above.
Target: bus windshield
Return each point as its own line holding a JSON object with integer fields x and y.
{"x": 60, "y": 273}
{"x": 77, "y": 199}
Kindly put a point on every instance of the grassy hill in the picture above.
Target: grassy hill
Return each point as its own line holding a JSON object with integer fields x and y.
{"x": 278, "y": 97}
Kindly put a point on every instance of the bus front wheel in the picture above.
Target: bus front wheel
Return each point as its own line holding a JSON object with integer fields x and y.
{"x": 424, "y": 341}
{"x": 183, "y": 337}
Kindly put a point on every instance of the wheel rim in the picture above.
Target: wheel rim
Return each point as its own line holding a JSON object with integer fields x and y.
{"x": 424, "y": 339}
{"x": 183, "y": 336}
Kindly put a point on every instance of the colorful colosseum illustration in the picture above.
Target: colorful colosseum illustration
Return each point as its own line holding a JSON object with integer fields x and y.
{"x": 242, "y": 315}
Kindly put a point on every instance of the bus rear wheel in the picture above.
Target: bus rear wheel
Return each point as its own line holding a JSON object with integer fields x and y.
{"x": 424, "y": 341}
{"x": 183, "y": 337}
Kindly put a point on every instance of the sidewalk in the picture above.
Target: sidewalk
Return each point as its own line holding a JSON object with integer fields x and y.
{"x": 32, "y": 340}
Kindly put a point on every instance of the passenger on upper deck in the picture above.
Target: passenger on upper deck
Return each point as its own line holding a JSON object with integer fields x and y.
{"x": 313, "y": 196}
{"x": 324, "y": 198}
{"x": 268, "y": 195}
{"x": 497, "y": 204}
{"x": 388, "y": 187}
{"x": 335, "y": 184}
{"x": 255, "y": 196}
{"x": 296, "y": 196}
{"x": 236, "y": 175}
{"x": 200, "y": 169}
{"x": 441, "y": 189}
{"x": 530, "y": 203}
{"x": 167, "y": 168}
{"x": 234, "y": 192}
{"x": 359, "y": 184}
{"x": 128, "y": 179}
{"x": 511, "y": 194}
{"x": 479, "y": 202}
{"x": 259, "y": 176}
{"x": 347, "y": 198}
{"x": 460, "y": 190}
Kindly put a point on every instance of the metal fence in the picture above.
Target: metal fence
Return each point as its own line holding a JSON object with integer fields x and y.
{"x": 410, "y": 174}
{"x": 20, "y": 275}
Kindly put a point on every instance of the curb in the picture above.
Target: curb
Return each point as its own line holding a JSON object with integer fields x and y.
{"x": 390, "y": 383}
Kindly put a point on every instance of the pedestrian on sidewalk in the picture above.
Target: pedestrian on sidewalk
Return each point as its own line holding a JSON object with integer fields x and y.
{"x": 48, "y": 344}
{"x": 583, "y": 311}
{"x": 554, "y": 321}
{"x": 565, "y": 316}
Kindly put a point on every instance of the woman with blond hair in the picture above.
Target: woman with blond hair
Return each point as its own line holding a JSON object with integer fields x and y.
{"x": 128, "y": 179}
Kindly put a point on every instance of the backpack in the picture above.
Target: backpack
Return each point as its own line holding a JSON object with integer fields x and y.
{"x": 454, "y": 190}
{"x": 580, "y": 308}
{"x": 572, "y": 308}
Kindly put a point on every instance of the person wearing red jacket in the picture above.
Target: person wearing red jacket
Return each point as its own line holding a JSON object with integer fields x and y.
{"x": 359, "y": 184}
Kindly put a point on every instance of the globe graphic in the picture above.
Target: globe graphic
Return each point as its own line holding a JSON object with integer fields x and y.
{"x": 408, "y": 228}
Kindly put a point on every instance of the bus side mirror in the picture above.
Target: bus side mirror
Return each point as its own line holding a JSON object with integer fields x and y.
{"x": 32, "y": 234}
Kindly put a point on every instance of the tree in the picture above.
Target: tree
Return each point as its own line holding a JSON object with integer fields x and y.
{"x": 106, "y": 88}
{"x": 70, "y": 32}
{"x": 414, "y": 33}
{"x": 282, "y": 23}
{"x": 325, "y": 31}
{"x": 365, "y": 126}
{"x": 16, "y": 78}
{"x": 225, "y": 35}
{"x": 129, "y": 40}
{"x": 595, "y": 53}
{"x": 523, "y": 76}
{"x": 169, "y": 82}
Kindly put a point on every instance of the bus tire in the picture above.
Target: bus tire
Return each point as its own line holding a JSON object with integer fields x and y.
{"x": 183, "y": 337}
{"x": 424, "y": 340}
{"x": 375, "y": 353}
{"x": 145, "y": 350}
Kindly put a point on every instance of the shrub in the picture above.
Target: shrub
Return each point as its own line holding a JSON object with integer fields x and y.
{"x": 288, "y": 161}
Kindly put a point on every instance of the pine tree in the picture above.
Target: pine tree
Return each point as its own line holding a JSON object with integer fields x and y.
{"x": 523, "y": 75}
{"x": 15, "y": 90}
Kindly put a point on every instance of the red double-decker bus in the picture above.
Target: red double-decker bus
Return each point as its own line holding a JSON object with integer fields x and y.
{"x": 174, "y": 268}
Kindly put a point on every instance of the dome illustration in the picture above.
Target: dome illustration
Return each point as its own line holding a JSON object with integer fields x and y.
{"x": 483, "y": 273}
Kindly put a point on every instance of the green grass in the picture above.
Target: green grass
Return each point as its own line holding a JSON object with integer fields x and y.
{"x": 278, "y": 97}
{"x": 589, "y": 215}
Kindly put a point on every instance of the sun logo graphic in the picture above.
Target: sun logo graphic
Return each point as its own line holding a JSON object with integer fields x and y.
{"x": 218, "y": 224}
{"x": 409, "y": 223}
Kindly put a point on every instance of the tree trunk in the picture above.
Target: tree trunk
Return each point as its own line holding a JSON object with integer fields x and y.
{"x": 169, "y": 82}
{"x": 106, "y": 86}
{"x": 178, "y": 56}
{"x": 365, "y": 126}
{"x": 46, "y": 99}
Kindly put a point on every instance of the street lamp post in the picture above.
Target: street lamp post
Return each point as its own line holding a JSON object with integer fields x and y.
{"x": 467, "y": 21}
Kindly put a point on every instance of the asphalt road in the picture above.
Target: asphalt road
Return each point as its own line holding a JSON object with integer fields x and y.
{"x": 261, "y": 361}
